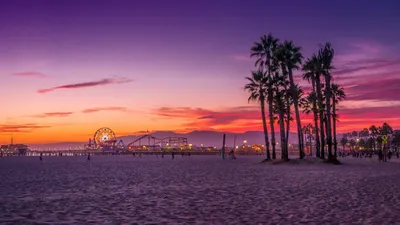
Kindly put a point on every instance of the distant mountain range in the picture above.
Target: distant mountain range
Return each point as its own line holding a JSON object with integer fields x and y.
{"x": 207, "y": 138}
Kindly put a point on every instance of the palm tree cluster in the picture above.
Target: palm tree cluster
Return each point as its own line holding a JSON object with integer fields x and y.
{"x": 372, "y": 139}
{"x": 272, "y": 83}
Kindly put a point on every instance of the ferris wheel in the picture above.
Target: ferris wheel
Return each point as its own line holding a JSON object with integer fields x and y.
{"x": 104, "y": 136}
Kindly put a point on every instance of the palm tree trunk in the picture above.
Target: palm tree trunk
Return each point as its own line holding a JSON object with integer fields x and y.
{"x": 321, "y": 115}
{"x": 334, "y": 127}
{"x": 287, "y": 120}
{"x": 306, "y": 135}
{"x": 310, "y": 136}
{"x": 328, "y": 115}
{"x": 315, "y": 112}
{"x": 305, "y": 138}
{"x": 270, "y": 108}
{"x": 326, "y": 125}
{"x": 287, "y": 133}
{"x": 296, "y": 110}
{"x": 264, "y": 121}
{"x": 271, "y": 123}
{"x": 285, "y": 153}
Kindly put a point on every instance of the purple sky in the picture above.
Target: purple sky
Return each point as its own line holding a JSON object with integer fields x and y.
{"x": 148, "y": 55}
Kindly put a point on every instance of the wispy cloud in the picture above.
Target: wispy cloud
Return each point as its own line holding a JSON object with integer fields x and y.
{"x": 370, "y": 72}
{"x": 357, "y": 104}
{"x": 20, "y": 128}
{"x": 89, "y": 110}
{"x": 354, "y": 118}
{"x": 206, "y": 117}
{"x": 142, "y": 132}
{"x": 360, "y": 50}
{"x": 53, "y": 114}
{"x": 369, "y": 46}
{"x": 29, "y": 74}
{"x": 199, "y": 118}
{"x": 368, "y": 66}
{"x": 98, "y": 109}
{"x": 102, "y": 82}
{"x": 381, "y": 89}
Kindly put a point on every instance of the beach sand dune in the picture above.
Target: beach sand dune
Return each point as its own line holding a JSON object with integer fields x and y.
{"x": 196, "y": 190}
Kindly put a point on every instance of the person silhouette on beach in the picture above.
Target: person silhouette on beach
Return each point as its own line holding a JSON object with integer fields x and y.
{"x": 380, "y": 155}
{"x": 173, "y": 155}
{"x": 40, "y": 157}
{"x": 233, "y": 154}
{"x": 88, "y": 158}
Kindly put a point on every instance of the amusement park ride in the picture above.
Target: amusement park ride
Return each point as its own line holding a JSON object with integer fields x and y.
{"x": 104, "y": 139}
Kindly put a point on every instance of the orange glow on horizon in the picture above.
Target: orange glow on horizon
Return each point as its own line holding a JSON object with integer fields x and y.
{"x": 83, "y": 131}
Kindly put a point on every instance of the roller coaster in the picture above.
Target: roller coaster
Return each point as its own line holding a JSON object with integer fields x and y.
{"x": 151, "y": 142}
{"x": 104, "y": 139}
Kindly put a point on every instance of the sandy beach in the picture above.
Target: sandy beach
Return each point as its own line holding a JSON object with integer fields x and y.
{"x": 196, "y": 190}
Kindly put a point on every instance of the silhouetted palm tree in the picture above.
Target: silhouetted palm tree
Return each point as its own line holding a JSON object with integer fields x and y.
{"x": 291, "y": 56}
{"x": 344, "y": 141}
{"x": 256, "y": 87}
{"x": 317, "y": 69}
{"x": 280, "y": 108}
{"x": 326, "y": 55}
{"x": 386, "y": 130}
{"x": 354, "y": 134}
{"x": 300, "y": 96}
{"x": 363, "y": 134}
{"x": 310, "y": 68}
{"x": 374, "y": 132}
{"x": 306, "y": 104}
{"x": 337, "y": 95}
{"x": 288, "y": 113}
{"x": 396, "y": 141}
{"x": 271, "y": 90}
{"x": 352, "y": 144}
{"x": 263, "y": 51}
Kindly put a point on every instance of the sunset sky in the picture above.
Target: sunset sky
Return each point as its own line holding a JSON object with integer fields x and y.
{"x": 70, "y": 67}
